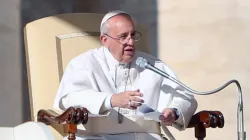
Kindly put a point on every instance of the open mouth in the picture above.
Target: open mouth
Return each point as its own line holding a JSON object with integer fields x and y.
{"x": 129, "y": 51}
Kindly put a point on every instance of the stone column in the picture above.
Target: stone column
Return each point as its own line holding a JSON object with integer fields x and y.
{"x": 14, "y": 14}
{"x": 11, "y": 69}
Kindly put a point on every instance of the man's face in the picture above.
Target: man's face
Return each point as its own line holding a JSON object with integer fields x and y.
{"x": 118, "y": 39}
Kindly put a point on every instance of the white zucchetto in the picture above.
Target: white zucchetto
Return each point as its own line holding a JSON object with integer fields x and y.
{"x": 110, "y": 15}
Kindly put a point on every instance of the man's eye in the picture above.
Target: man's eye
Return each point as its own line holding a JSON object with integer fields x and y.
{"x": 123, "y": 36}
{"x": 133, "y": 34}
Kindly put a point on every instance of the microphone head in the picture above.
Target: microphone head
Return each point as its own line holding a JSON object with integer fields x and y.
{"x": 141, "y": 62}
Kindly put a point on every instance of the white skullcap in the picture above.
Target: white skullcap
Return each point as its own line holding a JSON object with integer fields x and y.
{"x": 110, "y": 15}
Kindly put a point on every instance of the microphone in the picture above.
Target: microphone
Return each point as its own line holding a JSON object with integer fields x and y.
{"x": 143, "y": 63}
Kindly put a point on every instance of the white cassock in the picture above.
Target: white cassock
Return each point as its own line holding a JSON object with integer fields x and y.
{"x": 92, "y": 77}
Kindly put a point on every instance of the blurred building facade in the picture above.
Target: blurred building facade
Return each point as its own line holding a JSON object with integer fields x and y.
{"x": 205, "y": 42}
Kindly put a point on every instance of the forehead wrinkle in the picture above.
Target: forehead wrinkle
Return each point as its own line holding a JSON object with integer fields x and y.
{"x": 114, "y": 22}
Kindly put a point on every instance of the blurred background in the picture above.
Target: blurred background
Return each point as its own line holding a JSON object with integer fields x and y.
{"x": 205, "y": 42}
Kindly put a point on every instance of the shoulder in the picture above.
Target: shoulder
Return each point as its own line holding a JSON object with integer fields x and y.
{"x": 151, "y": 59}
{"x": 147, "y": 56}
{"x": 85, "y": 59}
{"x": 155, "y": 62}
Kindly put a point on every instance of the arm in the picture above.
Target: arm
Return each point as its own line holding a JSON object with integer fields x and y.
{"x": 78, "y": 89}
{"x": 186, "y": 105}
{"x": 173, "y": 96}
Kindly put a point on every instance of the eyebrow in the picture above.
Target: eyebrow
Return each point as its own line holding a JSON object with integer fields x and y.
{"x": 126, "y": 33}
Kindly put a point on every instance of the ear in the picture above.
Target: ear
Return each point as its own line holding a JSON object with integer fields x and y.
{"x": 103, "y": 39}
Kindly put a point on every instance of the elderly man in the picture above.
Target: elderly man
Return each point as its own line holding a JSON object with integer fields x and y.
{"x": 106, "y": 80}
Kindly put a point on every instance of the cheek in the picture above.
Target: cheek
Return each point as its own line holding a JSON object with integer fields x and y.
{"x": 117, "y": 50}
{"x": 120, "y": 51}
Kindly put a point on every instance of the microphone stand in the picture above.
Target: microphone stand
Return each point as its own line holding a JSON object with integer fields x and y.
{"x": 240, "y": 118}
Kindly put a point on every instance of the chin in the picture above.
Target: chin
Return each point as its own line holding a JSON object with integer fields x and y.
{"x": 127, "y": 59}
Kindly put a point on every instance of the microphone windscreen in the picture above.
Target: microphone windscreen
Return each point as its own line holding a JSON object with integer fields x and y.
{"x": 141, "y": 62}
